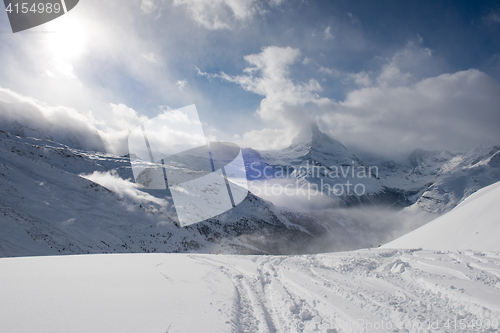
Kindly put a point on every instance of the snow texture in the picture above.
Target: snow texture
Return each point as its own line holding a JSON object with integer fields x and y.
{"x": 378, "y": 290}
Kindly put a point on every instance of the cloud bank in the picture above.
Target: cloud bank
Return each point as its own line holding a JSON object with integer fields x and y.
{"x": 391, "y": 111}
{"x": 450, "y": 111}
{"x": 28, "y": 117}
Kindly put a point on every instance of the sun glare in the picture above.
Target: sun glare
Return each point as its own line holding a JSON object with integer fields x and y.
{"x": 64, "y": 44}
{"x": 68, "y": 38}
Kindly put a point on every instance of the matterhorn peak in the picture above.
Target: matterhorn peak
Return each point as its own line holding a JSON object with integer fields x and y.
{"x": 312, "y": 143}
{"x": 310, "y": 132}
{"x": 312, "y": 137}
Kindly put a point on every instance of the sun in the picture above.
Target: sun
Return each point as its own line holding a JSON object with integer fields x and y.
{"x": 65, "y": 42}
{"x": 67, "y": 38}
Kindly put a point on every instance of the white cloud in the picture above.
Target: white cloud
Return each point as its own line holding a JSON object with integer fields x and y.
{"x": 328, "y": 33}
{"x": 116, "y": 124}
{"x": 124, "y": 188}
{"x": 91, "y": 131}
{"x": 125, "y": 118}
{"x": 392, "y": 111}
{"x": 269, "y": 75}
{"x": 450, "y": 111}
{"x": 224, "y": 14}
{"x": 404, "y": 106}
{"x": 153, "y": 58}
{"x": 392, "y": 75}
{"x": 30, "y": 117}
{"x": 90, "y": 59}
{"x": 407, "y": 66}
{"x": 97, "y": 69}
{"x": 148, "y": 6}
{"x": 65, "y": 46}
{"x": 492, "y": 18}
{"x": 362, "y": 79}
{"x": 330, "y": 71}
{"x": 353, "y": 19}
{"x": 267, "y": 138}
{"x": 182, "y": 84}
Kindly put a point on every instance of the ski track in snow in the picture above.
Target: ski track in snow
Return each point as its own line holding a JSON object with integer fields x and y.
{"x": 363, "y": 290}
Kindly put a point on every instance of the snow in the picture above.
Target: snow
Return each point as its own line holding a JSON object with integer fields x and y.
{"x": 354, "y": 291}
{"x": 119, "y": 293}
{"x": 474, "y": 224}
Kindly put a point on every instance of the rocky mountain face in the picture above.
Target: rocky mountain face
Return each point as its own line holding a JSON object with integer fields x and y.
{"x": 453, "y": 177}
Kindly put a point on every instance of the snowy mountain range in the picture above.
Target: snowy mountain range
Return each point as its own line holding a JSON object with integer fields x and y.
{"x": 429, "y": 181}
{"x": 61, "y": 199}
{"x": 53, "y": 202}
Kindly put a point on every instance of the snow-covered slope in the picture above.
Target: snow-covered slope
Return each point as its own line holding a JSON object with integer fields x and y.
{"x": 362, "y": 291}
{"x": 474, "y": 224}
{"x": 432, "y": 181}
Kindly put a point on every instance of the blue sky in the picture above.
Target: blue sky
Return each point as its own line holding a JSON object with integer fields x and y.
{"x": 381, "y": 76}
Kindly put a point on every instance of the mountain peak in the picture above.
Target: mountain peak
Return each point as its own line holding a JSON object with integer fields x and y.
{"x": 307, "y": 134}
{"x": 312, "y": 143}
{"x": 312, "y": 137}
